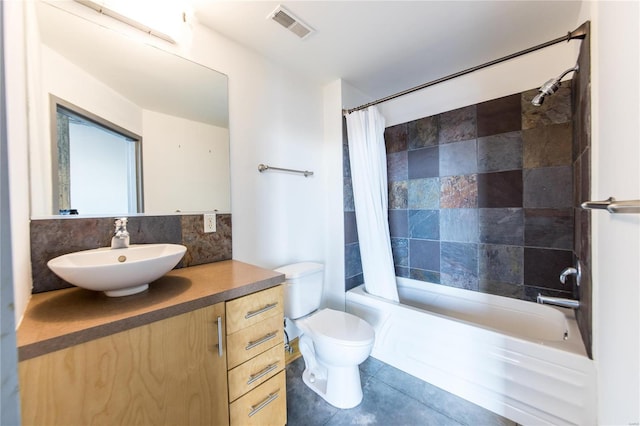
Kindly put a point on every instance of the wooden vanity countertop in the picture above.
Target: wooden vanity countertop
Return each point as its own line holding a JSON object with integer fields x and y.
{"x": 58, "y": 319}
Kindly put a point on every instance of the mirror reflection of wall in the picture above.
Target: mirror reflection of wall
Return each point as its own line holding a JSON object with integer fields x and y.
{"x": 179, "y": 108}
{"x": 91, "y": 153}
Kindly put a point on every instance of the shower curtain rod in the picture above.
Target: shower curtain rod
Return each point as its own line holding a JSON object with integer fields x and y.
{"x": 578, "y": 33}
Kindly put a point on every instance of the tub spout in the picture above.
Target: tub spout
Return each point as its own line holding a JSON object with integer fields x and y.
{"x": 568, "y": 271}
{"x": 558, "y": 301}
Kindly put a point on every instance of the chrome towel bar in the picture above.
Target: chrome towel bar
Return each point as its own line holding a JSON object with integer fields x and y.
{"x": 263, "y": 167}
{"x": 613, "y": 206}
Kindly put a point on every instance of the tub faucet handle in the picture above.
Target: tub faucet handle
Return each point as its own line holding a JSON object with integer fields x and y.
{"x": 566, "y": 272}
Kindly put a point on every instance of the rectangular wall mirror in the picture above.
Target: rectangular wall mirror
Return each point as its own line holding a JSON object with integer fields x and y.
{"x": 174, "y": 109}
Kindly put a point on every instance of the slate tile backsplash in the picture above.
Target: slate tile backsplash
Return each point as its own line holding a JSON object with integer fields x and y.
{"x": 54, "y": 237}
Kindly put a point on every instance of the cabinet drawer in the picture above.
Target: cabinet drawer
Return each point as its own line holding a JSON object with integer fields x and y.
{"x": 254, "y": 340}
{"x": 265, "y": 405}
{"x": 254, "y": 308}
{"x": 256, "y": 371}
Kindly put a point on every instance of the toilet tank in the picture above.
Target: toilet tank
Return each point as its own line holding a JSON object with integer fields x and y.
{"x": 302, "y": 288}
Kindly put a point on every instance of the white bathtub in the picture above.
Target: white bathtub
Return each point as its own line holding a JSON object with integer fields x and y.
{"x": 521, "y": 360}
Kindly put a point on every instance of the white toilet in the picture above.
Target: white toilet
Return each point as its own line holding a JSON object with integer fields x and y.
{"x": 333, "y": 343}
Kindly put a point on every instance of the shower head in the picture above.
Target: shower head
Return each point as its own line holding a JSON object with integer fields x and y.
{"x": 550, "y": 87}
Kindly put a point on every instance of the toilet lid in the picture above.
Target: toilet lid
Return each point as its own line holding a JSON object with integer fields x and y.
{"x": 341, "y": 327}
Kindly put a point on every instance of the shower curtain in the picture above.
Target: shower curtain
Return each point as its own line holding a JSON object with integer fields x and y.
{"x": 367, "y": 154}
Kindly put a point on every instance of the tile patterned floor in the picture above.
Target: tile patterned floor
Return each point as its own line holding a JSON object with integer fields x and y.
{"x": 391, "y": 398}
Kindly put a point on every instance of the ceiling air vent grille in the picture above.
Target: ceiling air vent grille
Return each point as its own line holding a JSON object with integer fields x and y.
{"x": 290, "y": 22}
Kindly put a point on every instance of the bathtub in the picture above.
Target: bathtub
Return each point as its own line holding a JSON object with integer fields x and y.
{"x": 521, "y": 360}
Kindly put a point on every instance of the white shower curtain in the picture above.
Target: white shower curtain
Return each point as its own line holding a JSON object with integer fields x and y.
{"x": 365, "y": 130}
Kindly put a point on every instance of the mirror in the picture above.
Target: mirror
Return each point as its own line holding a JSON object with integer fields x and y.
{"x": 179, "y": 109}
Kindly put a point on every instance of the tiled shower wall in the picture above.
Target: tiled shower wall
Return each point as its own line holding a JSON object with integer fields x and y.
{"x": 581, "y": 88}
{"x": 480, "y": 197}
{"x": 55, "y": 237}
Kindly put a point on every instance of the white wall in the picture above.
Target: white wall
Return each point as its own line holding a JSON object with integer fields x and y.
{"x": 333, "y": 295}
{"x": 182, "y": 160}
{"x": 17, "y": 137}
{"x": 275, "y": 119}
{"x": 615, "y": 91}
{"x": 9, "y": 398}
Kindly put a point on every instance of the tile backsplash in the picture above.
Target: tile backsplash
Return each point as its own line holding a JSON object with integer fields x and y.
{"x": 54, "y": 237}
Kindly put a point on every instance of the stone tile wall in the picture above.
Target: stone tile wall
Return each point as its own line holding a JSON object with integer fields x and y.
{"x": 581, "y": 89}
{"x": 55, "y": 237}
{"x": 480, "y": 197}
{"x": 352, "y": 262}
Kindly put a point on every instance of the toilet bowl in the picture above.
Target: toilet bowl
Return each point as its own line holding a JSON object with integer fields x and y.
{"x": 333, "y": 343}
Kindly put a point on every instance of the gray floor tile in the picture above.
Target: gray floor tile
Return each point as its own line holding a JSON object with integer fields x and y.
{"x": 455, "y": 407}
{"x": 304, "y": 406}
{"x": 391, "y": 398}
{"x": 384, "y": 405}
{"x": 371, "y": 366}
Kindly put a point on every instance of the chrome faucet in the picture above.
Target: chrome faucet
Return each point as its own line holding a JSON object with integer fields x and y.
{"x": 561, "y": 301}
{"x": 120, "y": 237}
{"x": 558, "y": 301}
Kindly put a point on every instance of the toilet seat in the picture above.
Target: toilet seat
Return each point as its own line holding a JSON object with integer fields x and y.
{"x": 341, "y": 328}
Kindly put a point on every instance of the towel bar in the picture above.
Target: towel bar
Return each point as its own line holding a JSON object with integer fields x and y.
{"x": 263, "y": 167}
{"x": 613, "y": 206}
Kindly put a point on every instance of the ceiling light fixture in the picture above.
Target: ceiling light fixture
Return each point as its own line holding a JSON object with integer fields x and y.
{"x": 114, "y": 10}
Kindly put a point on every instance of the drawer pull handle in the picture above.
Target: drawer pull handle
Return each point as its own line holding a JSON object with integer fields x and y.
{"x": 267, "y": 401}
{"x": 266, "y": 338}
{"x": 268, "y": 369}
{"x": 219, "y": 321}
{"x": 259, "y": 311}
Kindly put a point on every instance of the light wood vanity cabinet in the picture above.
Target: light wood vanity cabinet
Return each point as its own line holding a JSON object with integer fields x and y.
{"x": 169, "y": 356}
{"x": 170, "y": 371}
{"x": 255, "y": 359}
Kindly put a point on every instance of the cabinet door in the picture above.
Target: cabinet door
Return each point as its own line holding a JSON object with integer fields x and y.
{"x": 166, "y": 372}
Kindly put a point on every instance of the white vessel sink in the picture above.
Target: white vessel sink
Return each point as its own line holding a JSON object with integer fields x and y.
{"x": 117, "y": 272}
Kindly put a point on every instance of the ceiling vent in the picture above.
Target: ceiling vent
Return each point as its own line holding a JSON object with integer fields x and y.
{"x": 285, "y": 18}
